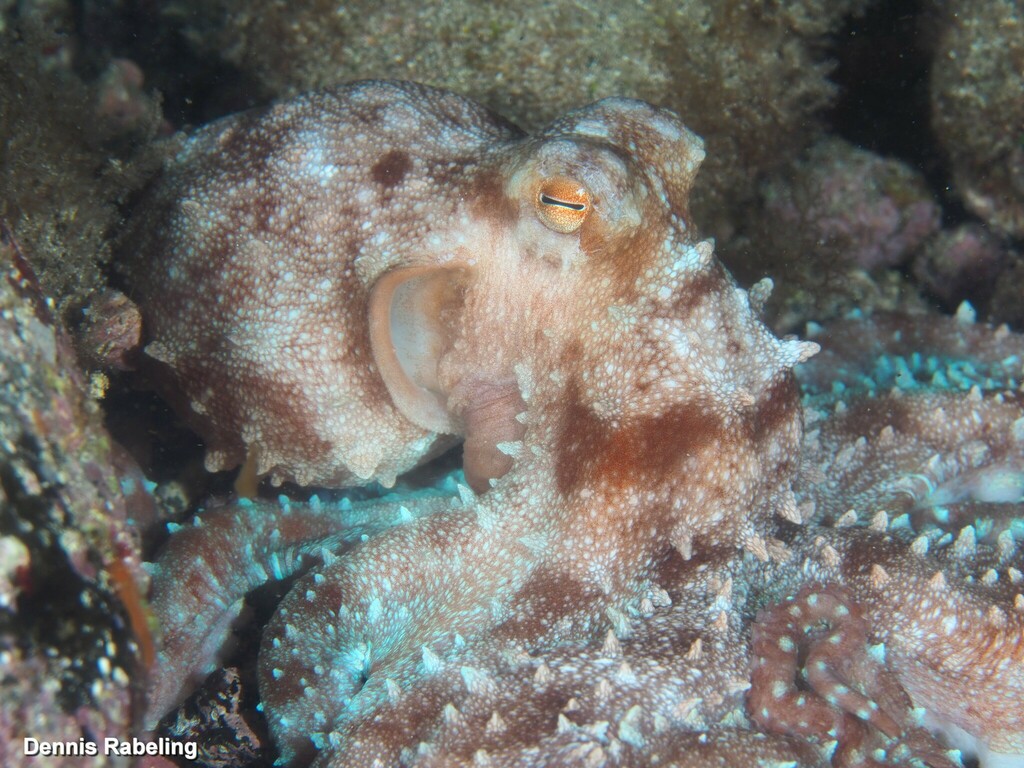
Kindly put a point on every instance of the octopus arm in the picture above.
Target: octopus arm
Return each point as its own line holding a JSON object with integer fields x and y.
{"x": 200, "y": 580}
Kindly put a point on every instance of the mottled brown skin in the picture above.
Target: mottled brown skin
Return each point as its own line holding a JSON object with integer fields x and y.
{"x": 282, "y": 261}
{"x": 279, "y": 369}
{"x": 583, "y": 329}
{"x": 813, "y": 675}
{"x": 635, "y": 443}
{"x": 558, "y": 622}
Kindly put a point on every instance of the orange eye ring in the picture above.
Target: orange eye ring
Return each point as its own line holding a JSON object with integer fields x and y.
{"x": 563, "y": 204}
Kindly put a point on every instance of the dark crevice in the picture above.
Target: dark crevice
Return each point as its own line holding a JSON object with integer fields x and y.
{"x": 196, "y": 86}
{"x": 883, "y": 65}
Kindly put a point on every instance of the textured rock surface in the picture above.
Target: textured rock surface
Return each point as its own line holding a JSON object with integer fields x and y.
{"x": 718, "y": 65}
{"x": 73, "y": 629}
{"x": 977, "y": 112}
{"x": 849, "y": 205}
{"x": 829, "y": 230}
{"x": 64, "y": 166}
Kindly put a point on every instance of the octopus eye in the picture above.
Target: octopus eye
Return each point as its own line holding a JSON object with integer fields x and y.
{"x": 563, "y": 204}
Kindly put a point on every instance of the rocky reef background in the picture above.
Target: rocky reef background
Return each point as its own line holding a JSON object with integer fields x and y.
{"x": 797, "y": 101}
{"x": 863, "y": 154}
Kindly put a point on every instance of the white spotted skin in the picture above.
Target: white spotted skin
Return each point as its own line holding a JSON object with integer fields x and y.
{"x": 656, "y": 420}
{"x": 941, "y": 630}
{"x": 632, "y": 439}
{"x": 931, "y": 461}
{"x": 254, "y": 256}
{"x": 670, "y": 689}
{"x": 569, "y": 616}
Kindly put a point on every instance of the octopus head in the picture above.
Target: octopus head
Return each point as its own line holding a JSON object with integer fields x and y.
{"x": 564, "y": 224}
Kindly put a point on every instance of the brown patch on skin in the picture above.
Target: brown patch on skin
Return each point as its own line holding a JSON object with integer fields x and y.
{"x": 487, "y": 199}
{"x": 626, "y": 254}
{"x": 391, "y": 168}
{"x": 673, "y": 571}
{"x": 867, "y": 550}
{"x": 261, "y": 207}
{"x": 776, "y": 411}
{"x": 639, "y": 452}
{"x": 547, "y": 594}
{"x": 708, "y": 282}
{"x": 777, "y": 404}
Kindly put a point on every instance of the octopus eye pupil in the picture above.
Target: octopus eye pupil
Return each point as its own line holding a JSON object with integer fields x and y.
{"x": 563, "y": 203}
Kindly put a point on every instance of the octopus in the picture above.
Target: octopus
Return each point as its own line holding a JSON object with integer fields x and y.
{"x": 676, "y": 539}
{"x": 336, "y": 306}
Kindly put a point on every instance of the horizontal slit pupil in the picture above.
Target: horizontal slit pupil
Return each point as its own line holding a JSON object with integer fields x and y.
{"x": 564, "y": 204}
